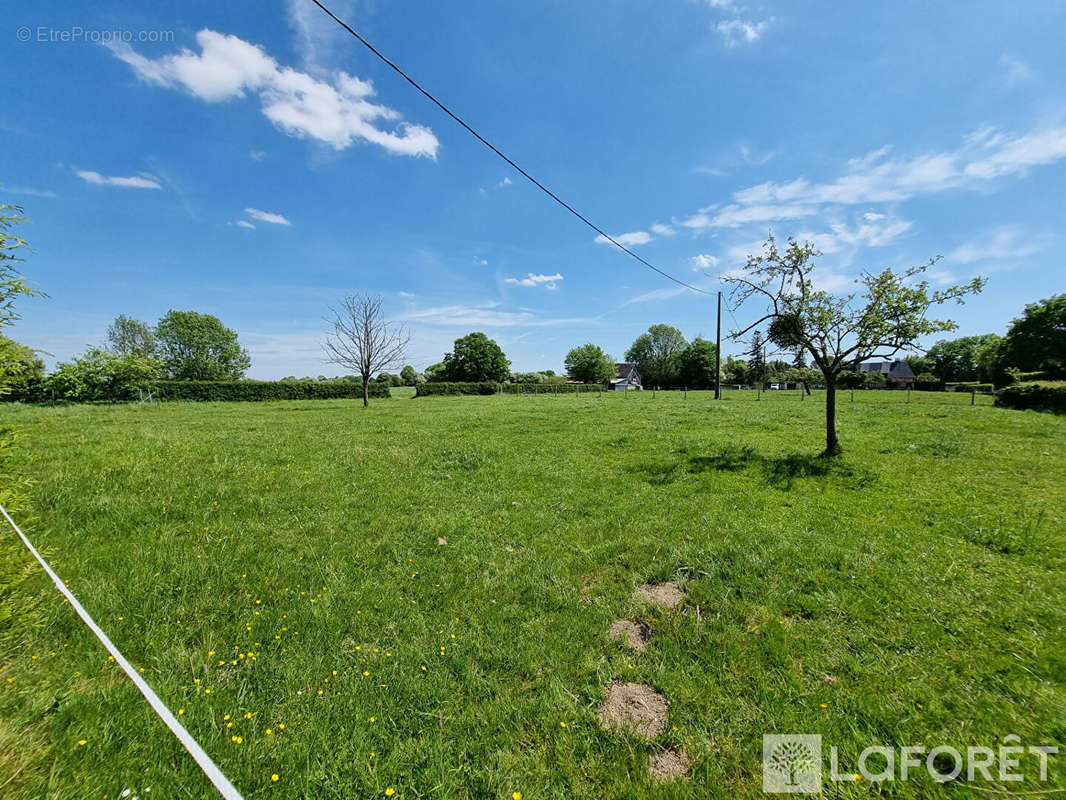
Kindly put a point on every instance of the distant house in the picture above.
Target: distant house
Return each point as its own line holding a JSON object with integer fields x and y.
{"x": 628, "y": 377}
{"x": 897, "y": 373}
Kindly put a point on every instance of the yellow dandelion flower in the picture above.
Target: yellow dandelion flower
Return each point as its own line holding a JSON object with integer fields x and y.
{"x": 562, "y": 724}
{"x": 225, "y": 718}
{"x": 320, "y": 691}
{"x": 81, "y": 742}
{"x": 274, "y": 777}
{"x": 825, "y": 705}
{"x": 207, "y": 691}
{"x": 247, "y": 714}
{"x": 516, "y": 795}
{"x": 281, "y": 727}
{"x": 390, "y": 792}
{"x": 372, "y": 719}
{"x": 269, "y": 732}
{"x": 181, "y": 711}
{"x": 366, "y": 673}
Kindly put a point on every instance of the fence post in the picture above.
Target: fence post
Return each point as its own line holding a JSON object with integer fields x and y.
{"x": 973, "y": 397}
{"x": 686, "y": 393}
{"x": 758, "y": 391}
{"x": 853, "y": 394}
{"x": 908, "y": 393}
{"x": 654, "y": 389}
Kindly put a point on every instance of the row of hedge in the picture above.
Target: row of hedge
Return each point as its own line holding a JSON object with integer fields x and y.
{"x": 227, "y": 391}
{"x": 456, "y": 387}
{"x": 970, "y": 386}
{"x": 1037, "y": 396}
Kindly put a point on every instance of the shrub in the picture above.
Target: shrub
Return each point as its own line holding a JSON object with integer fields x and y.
{"x": 928, "y": 382}
{"x": 456, "y": 387}
{"x": 1036, "y": 395}
{"x": 215, "y": 391}
{"x": 970, "y": 386}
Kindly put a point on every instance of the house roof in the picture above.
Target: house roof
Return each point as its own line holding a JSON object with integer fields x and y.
{"x": 627, "y": 369}
{"x": 890, "y": 369}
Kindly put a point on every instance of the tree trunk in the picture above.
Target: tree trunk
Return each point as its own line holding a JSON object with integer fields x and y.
{"x": 366, "y": 391}
{"x": 832, "y": 445}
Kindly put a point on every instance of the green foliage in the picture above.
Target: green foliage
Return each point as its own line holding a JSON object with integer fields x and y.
{"x": 475, "y": 357}
{"x": 970, "y": 358}
{"x": 102, "y": 375}
{"x": 198, "y": 347}
{"x": 435, "y": 372}
{"x": 696, "y": 364}
{"x": 656, "y": 354}
{"x": 1037, "y": 396}
{"x": 852, "y": 379}
{"x": 873, "y": 379}
{"x": 736, "y": 371}
{"x": 21, "y": 370}
{"x": 589, "y": 363}
{"x": 756, "y": 358}
{"x": 927, "y": 381}
{"x": 129, "y": 336}
{"x": 456, "y": 387}
{"x": 969, "y": 386}
{"x": 12, "y": 283}
{"x": 409, "y": 376}
{"x": 1036, "y": 341}
{"x": 247, "y": 391}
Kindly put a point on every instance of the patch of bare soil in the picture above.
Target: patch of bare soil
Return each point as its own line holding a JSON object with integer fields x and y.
{"x": 668, "y": 765}
{"x": 634, "y": 707}
{"x": 667, "y": 595}
{"x": 634, "y": 633}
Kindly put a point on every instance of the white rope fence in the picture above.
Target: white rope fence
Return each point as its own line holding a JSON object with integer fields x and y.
{"x": 211, "y": 770}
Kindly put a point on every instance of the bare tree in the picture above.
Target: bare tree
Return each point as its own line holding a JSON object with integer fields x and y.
{"x": 362, "y": 341}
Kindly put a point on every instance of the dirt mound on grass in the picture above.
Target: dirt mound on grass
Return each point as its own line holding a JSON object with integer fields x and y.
{"x": 634, "y": 633}
{"x": 667, "y": 765}
{"x": 667, "y": 595}
{"x": 634, "y": 707}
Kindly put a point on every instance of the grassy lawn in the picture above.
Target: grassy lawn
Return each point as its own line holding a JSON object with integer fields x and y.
{"x": 275, "y": 570}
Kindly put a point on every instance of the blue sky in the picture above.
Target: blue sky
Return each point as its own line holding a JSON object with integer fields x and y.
{"x": 260, "y": 163}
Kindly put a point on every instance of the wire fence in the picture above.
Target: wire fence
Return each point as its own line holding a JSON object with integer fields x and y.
{"x": 792, "y": 393}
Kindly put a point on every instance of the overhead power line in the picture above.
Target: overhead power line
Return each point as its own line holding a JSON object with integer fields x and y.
{"x": 506, "y": 158}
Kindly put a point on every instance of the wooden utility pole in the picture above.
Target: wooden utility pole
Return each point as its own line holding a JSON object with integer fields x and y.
{"x": 718, "y": 354}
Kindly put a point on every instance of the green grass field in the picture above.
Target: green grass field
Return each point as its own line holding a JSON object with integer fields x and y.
{"x": 275, "y": 570}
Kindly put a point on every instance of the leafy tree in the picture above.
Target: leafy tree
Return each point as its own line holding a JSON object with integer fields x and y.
{"x": 363, "y": 341}
{"x": 12, "y": 283}
{"x": 131, "y": 336}
{"x": 656, "y": 354}
{"x": 435, "y": 372}
{"x": 198, "y": 347}
{"x": 890, "y": 314}
{"x": 756, "y": 359}
{"x": 21, "y": 369}
{"x": 408, "y": 376}
{"x": 696, "y": 364}
{"x": 736, "y": 370}
{"x": 1036, "y": 341}
{"x": 873, "y": 379}
{"x": 971, "y": 358}
{"x": 590, "y": 364}
{"x": 851, "y": 379}
{"x": 476, "y": 357}
{"x": 919, "y": 364}
{"x": 102, "y": 375}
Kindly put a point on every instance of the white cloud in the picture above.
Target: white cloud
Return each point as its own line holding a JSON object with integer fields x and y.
{"x": 627, "y": 239}
{"x": 662, "y": 230}
{"x": 267, "y": 216}
{"x": 504, "y": 182}
{"x": 337, "y": 111}
{"x": 140, "y": 181}
{"x": 703, "y": 261}
{"x": 245, "y": 224}
{"x": 1015, "y": 71}
{"x": 878, "y": 232}
{"x": 483, "y": 316}
{"x": 28, "y": 190}
{"x": 257, "y": 155}
{"x": 656, "y": 294}
{"x": 547, "y": 281}
{"x": 1007, "y": 243}
{"x": 872, "y": 216}
{"x": 739, "y": 31}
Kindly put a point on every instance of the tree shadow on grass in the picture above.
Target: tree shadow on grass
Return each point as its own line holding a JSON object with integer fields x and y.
{"x": 779, "y": 471}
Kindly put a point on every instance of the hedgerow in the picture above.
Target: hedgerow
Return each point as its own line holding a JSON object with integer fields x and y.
{"x": 455, "y": 387}
{"x": 224, "y": 391}
{"x": 1036, "y": 395}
